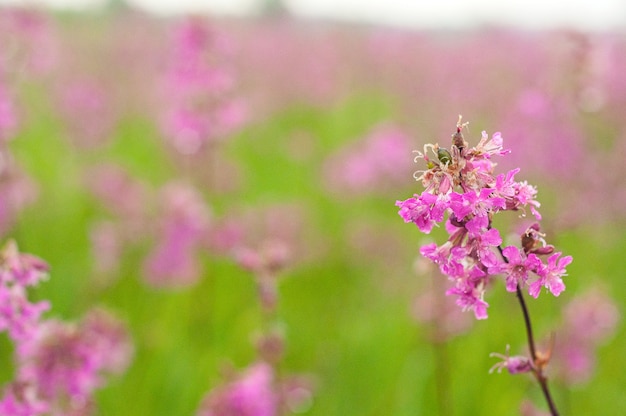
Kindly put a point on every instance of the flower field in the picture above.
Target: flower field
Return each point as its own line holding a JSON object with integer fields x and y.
{"x": 200, "y": 217}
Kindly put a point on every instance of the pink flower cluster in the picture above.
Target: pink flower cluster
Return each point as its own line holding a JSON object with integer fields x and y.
{"x": 185, "y": 219}
{"x": 461, "y": 182}
{"x": 58, "y": 364}
{"x": 200, "y": 89}
{"x": 18, "y": 316}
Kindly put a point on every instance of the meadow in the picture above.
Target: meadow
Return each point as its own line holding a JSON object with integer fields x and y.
{"x": 225, "y": 190}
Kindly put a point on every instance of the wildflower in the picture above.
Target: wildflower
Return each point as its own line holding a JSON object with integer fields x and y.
{"x": 514, "y": 365}
{"x": 65, "y": 362}
{"x": 590, "y": 319}
{"x": 251, "y": 394}
{"x": 550, "y": 275}
{"x": 173, "y": 262}
{"x": 461, "y": 182}
{"x": 199, "y": 88}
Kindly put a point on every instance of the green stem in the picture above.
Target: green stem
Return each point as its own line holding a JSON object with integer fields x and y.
{"x": 537, "y": 369}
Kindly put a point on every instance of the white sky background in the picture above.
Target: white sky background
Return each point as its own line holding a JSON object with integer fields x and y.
{"x": 533, "y": 14}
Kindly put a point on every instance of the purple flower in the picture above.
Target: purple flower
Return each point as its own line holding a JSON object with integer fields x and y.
{"x": 470, "y": 290}
{"x": 514, "y": 365}
{"x": 491, "y": 147}
{"x": 20, "y": 399}
{"x": 65, "y": 362}
{"x": 252, "y": 394}
{"x": 460, "y": 181}
{"x": 424, "y": 211}
{"x": 173, "y": 262}
{"x": 517, "y": 268}
{"x": 550, "y": 275}
{"x": 21, "y": 268}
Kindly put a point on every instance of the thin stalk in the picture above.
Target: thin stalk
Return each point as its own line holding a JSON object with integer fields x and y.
{"x": 537, "y": 367}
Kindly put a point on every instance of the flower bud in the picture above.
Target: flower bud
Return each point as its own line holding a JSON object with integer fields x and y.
{"x": 444, "y": 155}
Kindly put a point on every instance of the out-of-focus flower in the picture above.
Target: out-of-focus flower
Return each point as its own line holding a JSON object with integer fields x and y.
{"x": 128, "y": 200}
{"x": 251, "y": 394}
{"x": 65, "y": 362}
{"x": 199, "y": 88}
{"x": 590, "y": 319}
{"x": 527, "y": 408}
{"x": 18, "y": 270}
{"x": 8, "y": 114}
{"x": 185, "y": 220}
{"x": 86, "y": 108}
{"x": 121, "y": 193}
{"x": 29, "y": 39}
{"x": 17, "y": 191}
{"x": 432, "y": 307}
{"x": 20, "y": 399}
{"x": 379, "y": 160}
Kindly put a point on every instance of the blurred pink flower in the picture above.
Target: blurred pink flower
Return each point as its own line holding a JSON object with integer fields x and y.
{"x": 8, "y": 115}
{"x": 18, "y": 270}
{"x": 251, "y": 394}
{"x": 184, "y": 223}
{"x": 590, "y": 319}
{"x": 65, "y": 362}
{"x": 107, "y": 247}
{"x": 31, "y": 35}
{"x": 17, "y": 191}
{"x": 199, "y": 88}
{"x": 86, "y": 108}
{"x": 121, "y": 193}
{"x": 379, "y": 160}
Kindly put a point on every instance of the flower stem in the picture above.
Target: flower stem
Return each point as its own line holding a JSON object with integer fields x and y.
{"x": 537, "y": 366}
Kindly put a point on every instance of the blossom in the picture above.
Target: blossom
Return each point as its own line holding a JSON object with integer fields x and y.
{"x": 513, "y": 364}
{"x": 590, "y": 319}
{"x": 8, "y": 115}
{"x": 172, "y": 262}
{"x": 20, "y": 399}
{"x": 65, "y": 362}
{"x": 517, "y": 268}
{"x": 460, "y": 181}
{"x": 18, "y": 270}
{"x": 199, "y": 88}
{"x": 372, "y": 163}
{"x": 550, "y": 275}
{"x": 251, "y": 394}
{"x": 424, "y": 210}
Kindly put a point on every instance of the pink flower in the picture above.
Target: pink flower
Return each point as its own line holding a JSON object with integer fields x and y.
{"x": 185, "y": 220}
{"x": 517, "y": 268}
{"x": 18, "y": 315}
{"x": 199, "y": 89}
{"x": 460, "y": 181}
{"x": 590, "y": 320}
{"x": 424, "y": 211}
{"x": 21, "y": 268}
{"x": 376, "y": 162}
{"x": 514, "y": 365}
{"x": 550, "y": 275}
{"x": 8, "y": 115}
{"x": 65, "y": 362}
{"x": 252, "y": 394}
{"x": 20, "y": 399}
